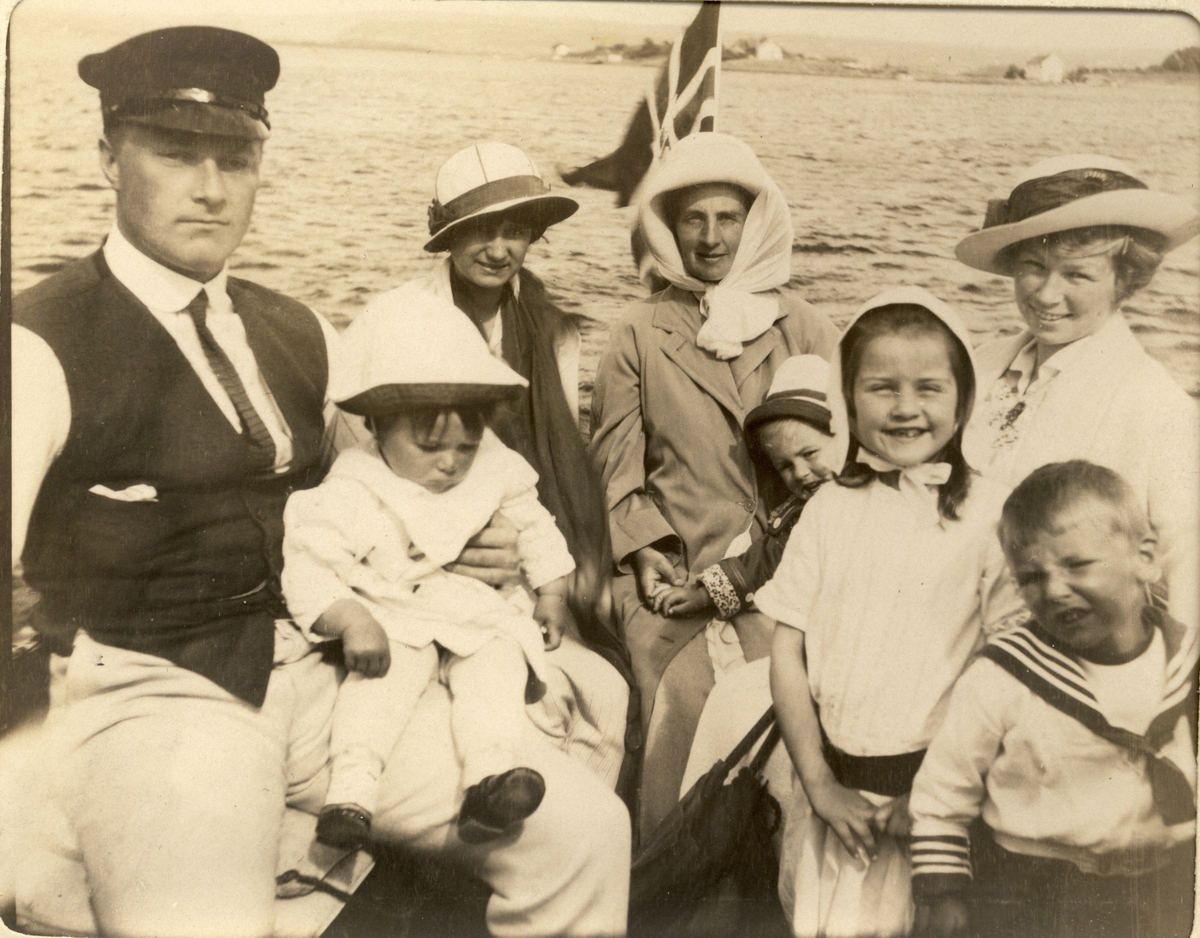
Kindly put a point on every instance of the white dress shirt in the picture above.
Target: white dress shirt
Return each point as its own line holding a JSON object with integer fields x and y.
{"x": 41, "y": 403}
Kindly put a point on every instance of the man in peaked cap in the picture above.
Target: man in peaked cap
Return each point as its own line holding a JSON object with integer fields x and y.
{"x": 163, "y": 411}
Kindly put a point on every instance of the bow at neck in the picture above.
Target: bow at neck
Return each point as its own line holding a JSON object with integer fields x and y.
{"x": 919, "y": 482}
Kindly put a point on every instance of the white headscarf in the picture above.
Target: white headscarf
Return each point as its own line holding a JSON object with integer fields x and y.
{"x": 733, "y": 314}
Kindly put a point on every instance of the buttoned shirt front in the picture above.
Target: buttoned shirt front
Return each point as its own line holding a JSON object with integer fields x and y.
{"x": 41, "y": 404}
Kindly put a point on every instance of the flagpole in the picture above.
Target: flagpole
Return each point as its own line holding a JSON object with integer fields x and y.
{"x": 717, "y": 77}
{"x": 695, "y": 60}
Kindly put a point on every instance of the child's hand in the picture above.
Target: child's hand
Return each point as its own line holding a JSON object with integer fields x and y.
{"x": 551, "y": 614}
{"x": 893, "y": 818}
{"x": 365, "y": 648}
{"x": 681, "y": 601}
{"x": 364, "y": 643}
{"x": 848, "y": 814}
{"x": 944, "y": 917}
{"x": 655, "y": 575}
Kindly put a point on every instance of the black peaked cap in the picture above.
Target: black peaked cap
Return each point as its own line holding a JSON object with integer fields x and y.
{"x": 186, "y": 75}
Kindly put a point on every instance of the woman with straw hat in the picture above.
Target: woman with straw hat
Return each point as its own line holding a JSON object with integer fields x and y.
{"x": 673, "y": 389}
{"x": 490, "y": 203}
{"x": 1079, "y": 235}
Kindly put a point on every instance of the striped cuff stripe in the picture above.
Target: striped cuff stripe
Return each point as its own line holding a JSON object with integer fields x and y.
{"x": 923, "y": 839}
{"x": 934, "y": 869}
{"x": 934, "y": 857}
{"x": 949, "y": 854}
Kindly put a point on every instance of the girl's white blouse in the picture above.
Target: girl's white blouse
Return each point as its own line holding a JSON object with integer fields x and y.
{"x": 893, "y": 602}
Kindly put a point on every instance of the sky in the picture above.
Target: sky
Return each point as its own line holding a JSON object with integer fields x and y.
{"x": 985, "y": 27}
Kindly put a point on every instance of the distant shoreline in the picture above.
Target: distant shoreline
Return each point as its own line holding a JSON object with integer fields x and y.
{"x": 826, "y": 68}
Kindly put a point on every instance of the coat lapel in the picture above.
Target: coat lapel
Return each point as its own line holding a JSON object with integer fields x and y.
{"x": 712, "y": 375}
{"x": 754, "y": 355}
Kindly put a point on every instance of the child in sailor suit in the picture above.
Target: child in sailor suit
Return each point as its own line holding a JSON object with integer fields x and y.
{"x": 1071, "y": 737}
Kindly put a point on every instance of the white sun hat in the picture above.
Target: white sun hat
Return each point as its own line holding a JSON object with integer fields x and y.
{"x": 1076, "y": 191}
{"x": 487, "y": 178}
{"x": 422, "y": 350}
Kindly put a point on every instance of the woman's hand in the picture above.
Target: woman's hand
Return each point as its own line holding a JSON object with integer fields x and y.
{"x": 655, "y": 575}
{"x": 944, "y": 917}
{"x": 682, "y": 601}
{"x": 364, "y": 643}
{"x": 893, "y": 818}
{"x": 491, "y": 555}
{"x": 848, "y": 814}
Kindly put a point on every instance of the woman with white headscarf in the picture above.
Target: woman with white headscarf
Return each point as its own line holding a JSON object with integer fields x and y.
{"x": 673, "y": 388}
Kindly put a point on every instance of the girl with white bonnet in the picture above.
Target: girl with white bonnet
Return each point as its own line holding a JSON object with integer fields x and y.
{"x": 680, "y": 374}
{"x": 1079, "y": 235}
{"x": 882, "y": 596}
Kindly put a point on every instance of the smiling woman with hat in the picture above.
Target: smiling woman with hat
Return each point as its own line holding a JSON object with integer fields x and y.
{"x": 1079, "y": 235}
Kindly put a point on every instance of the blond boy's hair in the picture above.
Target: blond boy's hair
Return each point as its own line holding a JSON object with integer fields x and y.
{"x": 1050, "y": 490}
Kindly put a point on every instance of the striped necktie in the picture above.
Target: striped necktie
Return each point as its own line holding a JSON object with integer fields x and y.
{"x": 256, "y": 431}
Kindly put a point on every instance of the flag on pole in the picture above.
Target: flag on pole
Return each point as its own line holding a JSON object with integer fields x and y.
{"x": 682, "y": 101}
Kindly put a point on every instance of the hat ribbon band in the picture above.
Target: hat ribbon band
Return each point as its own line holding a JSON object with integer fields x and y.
{"x": 1036, "y": 196}
{"x": 158, "y": 100}
{"x": 490, "y": 193}
{"x": 804, "y": 393}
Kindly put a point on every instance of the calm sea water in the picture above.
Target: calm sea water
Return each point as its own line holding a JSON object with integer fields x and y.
{"x": 883, "y": 177}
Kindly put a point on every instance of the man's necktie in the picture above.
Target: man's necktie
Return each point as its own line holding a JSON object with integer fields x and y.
{"x": 255, "y": 429}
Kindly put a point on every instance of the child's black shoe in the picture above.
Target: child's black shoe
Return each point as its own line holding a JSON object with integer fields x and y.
{"x": 343, "y": 825}
{"x": 493, "y": 806}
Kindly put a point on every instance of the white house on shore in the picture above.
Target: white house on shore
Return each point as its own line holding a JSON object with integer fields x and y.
{"x": 1046, "y": 68}
{"x": 562, "y": 50}
{"x": 768, "y": 51}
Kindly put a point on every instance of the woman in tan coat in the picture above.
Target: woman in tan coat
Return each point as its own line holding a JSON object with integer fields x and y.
{"x": 678, "y": 377}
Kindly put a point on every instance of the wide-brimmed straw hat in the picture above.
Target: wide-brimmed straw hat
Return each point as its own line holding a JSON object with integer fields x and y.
{"x": 800, "y": 390}
{"x": 422, "y": 351}
{"x": 487, "y": 178}
{"x": 1076, "y": 191}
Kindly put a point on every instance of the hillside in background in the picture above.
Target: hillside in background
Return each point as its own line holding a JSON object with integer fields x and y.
{"x": 486, "y": 29}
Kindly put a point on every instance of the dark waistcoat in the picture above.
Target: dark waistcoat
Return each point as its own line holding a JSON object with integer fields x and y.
{"x": 192, "y": 576}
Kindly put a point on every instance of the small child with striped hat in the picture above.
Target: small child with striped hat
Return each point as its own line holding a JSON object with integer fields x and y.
{"x": 789, "y": 431}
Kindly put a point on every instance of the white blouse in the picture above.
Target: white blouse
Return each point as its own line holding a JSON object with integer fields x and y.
{"x": 893, "y": 602}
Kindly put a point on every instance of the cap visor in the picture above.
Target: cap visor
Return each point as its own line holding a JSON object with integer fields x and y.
{"x": 791, "y": 407}
{"x": 397, "y": 398}
{"x": 204, "y": 119}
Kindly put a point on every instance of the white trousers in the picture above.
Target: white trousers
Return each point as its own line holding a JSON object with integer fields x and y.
{"x": 166, "y": 795}
{"x": 488, "y": 716}
{"x": 150, "y": 805}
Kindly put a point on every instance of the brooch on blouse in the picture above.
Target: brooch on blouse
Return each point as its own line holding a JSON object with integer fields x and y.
{"x": 1011, "y": 417}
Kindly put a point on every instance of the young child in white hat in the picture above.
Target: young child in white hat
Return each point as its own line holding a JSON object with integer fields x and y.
{"x": 363, "y": 559}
